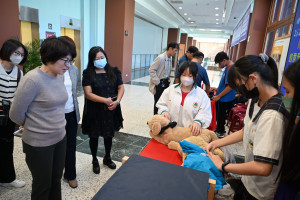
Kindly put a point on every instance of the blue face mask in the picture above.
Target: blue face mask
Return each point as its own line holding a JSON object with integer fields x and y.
{"x": 287, "y": 101}
{"x": 100, "y": 63}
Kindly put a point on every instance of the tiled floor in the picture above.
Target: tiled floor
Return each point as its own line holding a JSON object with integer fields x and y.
{"x": 137, "y": 109}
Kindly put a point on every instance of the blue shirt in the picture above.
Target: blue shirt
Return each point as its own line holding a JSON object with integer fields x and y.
{"x": 182, "y": 59}
{"x": 230, "y": 96}
{"x": 202, "y": 75}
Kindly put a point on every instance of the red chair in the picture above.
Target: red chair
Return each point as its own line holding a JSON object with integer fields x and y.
{"x": 237, "y": 122}
{"x": 234, "y": 111}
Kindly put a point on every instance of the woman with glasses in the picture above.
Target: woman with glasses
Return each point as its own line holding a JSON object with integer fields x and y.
{"x": 12, "y": 54}
{"x": 72, "y": 118}
{"x": 39, "y": 106}
{"x": 103, "y": 89}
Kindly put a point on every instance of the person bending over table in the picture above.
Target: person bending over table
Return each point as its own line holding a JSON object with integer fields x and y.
{"x": 256, "y": 77}
{"x": 185, "y": 102}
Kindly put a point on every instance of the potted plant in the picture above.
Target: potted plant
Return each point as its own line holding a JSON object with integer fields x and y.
{"x": 34, "y": 58}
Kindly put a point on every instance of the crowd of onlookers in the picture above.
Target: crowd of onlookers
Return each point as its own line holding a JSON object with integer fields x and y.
{"x": 44, "y": 105}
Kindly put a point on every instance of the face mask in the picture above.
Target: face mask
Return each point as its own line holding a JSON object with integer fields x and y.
{"x": 100, "y": 63}
{"x": 287, "y": 101}
{"x": 249, "y": 94}
{"x": 15, "y": 60}
{"x": 186, "y": 81}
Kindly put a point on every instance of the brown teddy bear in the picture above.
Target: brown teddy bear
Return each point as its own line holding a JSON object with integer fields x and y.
{"x": 165, "y": 132}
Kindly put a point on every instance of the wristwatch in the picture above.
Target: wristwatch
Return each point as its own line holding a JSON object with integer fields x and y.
{"x": 224, "y": 165}
{"x": 118, "y": 102}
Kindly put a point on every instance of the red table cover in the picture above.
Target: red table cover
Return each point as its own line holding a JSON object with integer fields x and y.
{"x": 161, "y": 152}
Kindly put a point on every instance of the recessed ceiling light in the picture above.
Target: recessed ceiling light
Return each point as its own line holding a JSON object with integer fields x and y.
{"x": 192, "y": 22}
{"x": 217, "y": 15}
{"x": 217, "y": 23}
{"x": 185, "y": 13}
{"x": 216, "y": 8}
{"x": 189, "y": 18}
{"x": 217, "y": 19}
{"x": 180, "y": 8}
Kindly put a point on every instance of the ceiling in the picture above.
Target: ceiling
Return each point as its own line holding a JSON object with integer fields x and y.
{"x": 199, "y": 18}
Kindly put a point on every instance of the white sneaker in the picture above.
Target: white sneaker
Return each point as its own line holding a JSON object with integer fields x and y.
{"x": 16, "y": 183}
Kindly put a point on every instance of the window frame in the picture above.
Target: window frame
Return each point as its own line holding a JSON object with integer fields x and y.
{"x": 273, "y": 26}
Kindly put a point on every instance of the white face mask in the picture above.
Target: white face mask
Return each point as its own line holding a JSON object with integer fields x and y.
{"x": 186, "y": 81}
{"x": 15, "y": 60}
{"x": 100, "y": 63}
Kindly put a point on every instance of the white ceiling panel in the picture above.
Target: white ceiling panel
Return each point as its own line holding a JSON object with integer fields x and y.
{"x": 198, "y": 18}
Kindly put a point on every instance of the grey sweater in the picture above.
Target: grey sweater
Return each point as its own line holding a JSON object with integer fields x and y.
{"x": 39, "y": 106}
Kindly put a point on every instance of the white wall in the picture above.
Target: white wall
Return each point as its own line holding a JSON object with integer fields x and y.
{"x": 147, "y": 38}
{"x": 165, "y": 39}
{"x": 50, "y": 11}
{"x": 92, "y": 24}
{"x": 90, "y": 12}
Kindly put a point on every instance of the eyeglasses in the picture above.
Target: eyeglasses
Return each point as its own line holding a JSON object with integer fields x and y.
{"x": 68, "y": 62}
{"x": 17, "y": 53}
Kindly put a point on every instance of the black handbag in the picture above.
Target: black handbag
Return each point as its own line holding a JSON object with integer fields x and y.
{"x": 4, "y": 113}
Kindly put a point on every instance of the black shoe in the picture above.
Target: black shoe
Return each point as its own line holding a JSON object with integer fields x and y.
{"x": 96, "y": 167}
{"x": 221, "y": 134}
{"x": 109, "y": 163}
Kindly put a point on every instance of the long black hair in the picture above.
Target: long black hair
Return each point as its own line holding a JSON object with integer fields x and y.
{"x": 290, "y": 169}
{"x": 253, "y": 64}
{"x": 91, "y": 68}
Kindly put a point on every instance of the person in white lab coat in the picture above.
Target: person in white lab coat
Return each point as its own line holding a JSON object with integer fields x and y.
{"x": 185, "y": 102}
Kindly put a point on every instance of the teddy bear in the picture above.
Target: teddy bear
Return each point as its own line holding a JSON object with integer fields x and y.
{"x": 166, "y": 132}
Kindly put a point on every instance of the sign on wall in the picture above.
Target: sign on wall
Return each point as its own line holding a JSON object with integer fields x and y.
{"x": 294, "y": 47}
{"x": 240, "y": 33}
{"x": 50, "y": 34}
{"x": 279, "y": 54}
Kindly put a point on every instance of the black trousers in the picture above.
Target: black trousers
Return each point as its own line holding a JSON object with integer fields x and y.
{"x": 7, "y": 169}
{"x": 46, "y": 165}
{"x": 240, "y": 190}
{"x": 222, "y": 109}
{"x": 159, "y": 90}
{"x": 71, "y": 133}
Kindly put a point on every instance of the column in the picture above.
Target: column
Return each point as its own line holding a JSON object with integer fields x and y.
{"x": 184, "y": 40}
{"x": 234, "y": 53}
{"x": 229, "y": 52}
{"x": 198, "y": 45}
{"x": 241, "y": 49}
{"x": 173, "y": 35}
{"x": 194, "y": 42}
{"x": 119, "y": 23}
{"x": 190, "y": 42}
{"x": 257, "y": 28}
{"x": 9, "y": 18}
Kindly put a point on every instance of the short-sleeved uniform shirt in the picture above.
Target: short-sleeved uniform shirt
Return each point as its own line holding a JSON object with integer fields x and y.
{"x": 230, "y": 96}
{"x": 262, "y": 141}
{"x": 202, "y": 75}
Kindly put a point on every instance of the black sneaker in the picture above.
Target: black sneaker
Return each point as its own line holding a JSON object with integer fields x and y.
{"x": 221, "y": 134}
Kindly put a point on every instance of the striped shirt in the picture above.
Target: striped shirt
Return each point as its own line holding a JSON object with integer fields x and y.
{"x": 8, "y": 83}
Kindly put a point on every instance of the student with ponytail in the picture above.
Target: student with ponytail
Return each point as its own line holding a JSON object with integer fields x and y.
{"x": 256, "y": 78}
